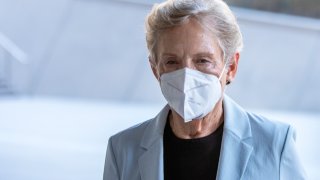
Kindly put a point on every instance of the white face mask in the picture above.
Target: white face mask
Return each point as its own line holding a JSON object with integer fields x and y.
{"x": 190, "y": 93}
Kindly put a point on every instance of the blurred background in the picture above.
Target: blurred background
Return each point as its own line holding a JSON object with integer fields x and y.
{"x": 74, "y": 72}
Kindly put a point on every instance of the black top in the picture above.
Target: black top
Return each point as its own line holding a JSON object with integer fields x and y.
{"x": 194, "y": 159}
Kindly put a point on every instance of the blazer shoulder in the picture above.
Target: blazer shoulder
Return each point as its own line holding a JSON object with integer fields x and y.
{"x": 130, "y": 136}
{"x": 272, "y": 133}
{"x": 266, "y": 125}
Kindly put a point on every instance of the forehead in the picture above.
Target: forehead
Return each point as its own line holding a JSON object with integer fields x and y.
{"x": 190, "y": 37}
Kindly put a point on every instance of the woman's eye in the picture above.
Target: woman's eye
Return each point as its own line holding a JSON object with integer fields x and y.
{"x": 203, "y": 61}
{"x": 170, "y": 62}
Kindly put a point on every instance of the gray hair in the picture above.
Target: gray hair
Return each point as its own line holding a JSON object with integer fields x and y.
{"x": 213, "y": 14}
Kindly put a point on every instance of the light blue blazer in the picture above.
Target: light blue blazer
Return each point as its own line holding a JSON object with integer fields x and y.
{"x": 253, "y": 148}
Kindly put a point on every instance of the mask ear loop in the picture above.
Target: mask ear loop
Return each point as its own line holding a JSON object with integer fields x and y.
{"x": 224, "y": 67}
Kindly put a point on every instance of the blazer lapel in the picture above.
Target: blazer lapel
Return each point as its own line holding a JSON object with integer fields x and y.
{"x": 151, "y": 163}
{"x": 233, "y": 158}
{"x": 151, "y": 160}
{"x": 235, "y": 148}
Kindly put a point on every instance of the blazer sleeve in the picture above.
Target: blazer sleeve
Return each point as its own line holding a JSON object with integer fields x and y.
{"x": 290, "y": 165}
{"x": 111, "y": 171}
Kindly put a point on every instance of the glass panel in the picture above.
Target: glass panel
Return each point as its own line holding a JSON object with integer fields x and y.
{"x": 310, "y": 8}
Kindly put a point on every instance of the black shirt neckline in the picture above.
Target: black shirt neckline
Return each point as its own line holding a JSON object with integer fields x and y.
{"x": 190, "y": 159}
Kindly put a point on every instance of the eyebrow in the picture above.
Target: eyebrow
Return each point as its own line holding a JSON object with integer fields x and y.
{"x": 168, "y": 54}
{"x": 204, "y": 54}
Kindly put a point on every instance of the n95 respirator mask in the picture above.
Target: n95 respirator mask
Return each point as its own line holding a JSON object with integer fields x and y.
{"x": 191, "y": 93}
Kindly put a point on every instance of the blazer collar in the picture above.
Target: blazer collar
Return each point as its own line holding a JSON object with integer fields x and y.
{"x": 236, "y": 120}
{"x": 155, "y": 128}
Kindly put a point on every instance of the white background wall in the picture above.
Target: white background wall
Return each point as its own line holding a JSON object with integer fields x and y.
{"x": 96, "y": 49}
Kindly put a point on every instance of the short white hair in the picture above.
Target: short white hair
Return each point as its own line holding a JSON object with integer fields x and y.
{"x": 212, "y": 14}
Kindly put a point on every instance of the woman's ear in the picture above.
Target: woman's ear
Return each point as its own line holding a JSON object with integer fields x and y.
{"x": 233, "y": 67}
{"x": 153, "y": 66}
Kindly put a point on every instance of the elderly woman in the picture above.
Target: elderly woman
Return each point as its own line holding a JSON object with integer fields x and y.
{"x": 201, "y": 134}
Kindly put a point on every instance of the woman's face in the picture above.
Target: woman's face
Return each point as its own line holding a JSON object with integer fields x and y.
{"x": 189, "y": 45}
